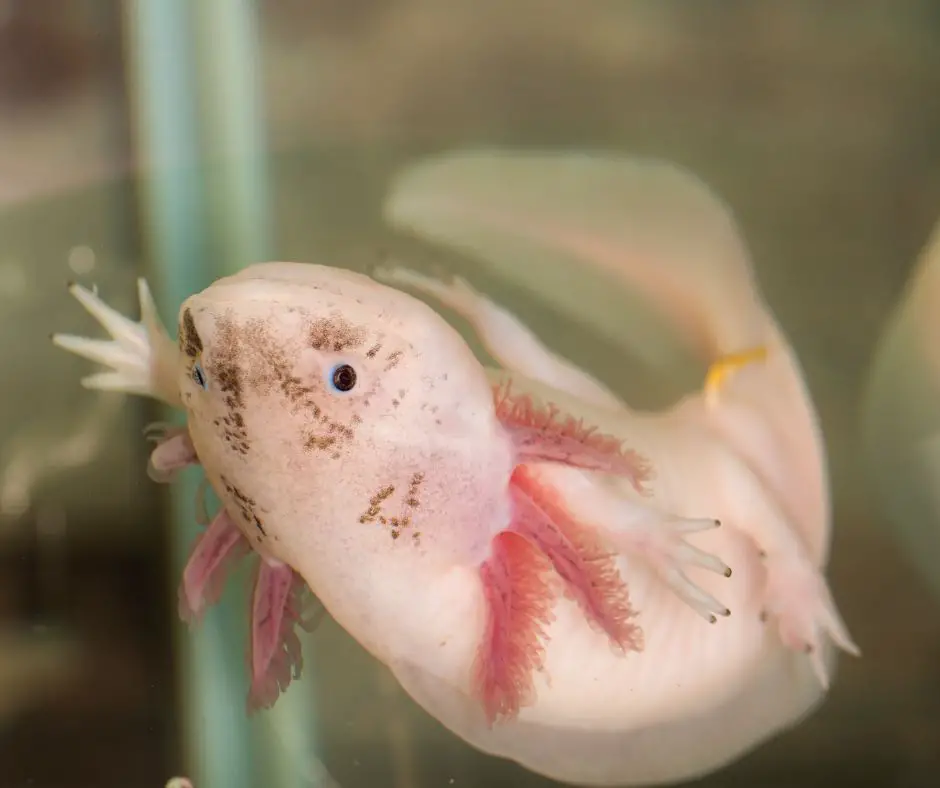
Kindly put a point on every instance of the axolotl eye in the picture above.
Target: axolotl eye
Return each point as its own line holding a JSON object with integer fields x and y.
{"x": 199, "y": 377}
{"x": 342, "y": 378}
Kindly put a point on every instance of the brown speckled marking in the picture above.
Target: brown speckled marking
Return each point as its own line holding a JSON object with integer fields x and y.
{"x": 246, "y": 506}
{"x": 189, "y": 340}
{"x": 416, "y": 481}
{"x": 393, "y": 360}
{"x": 227, "y": 377}
{"x": 334, "y": 432}
{"x": 267, "y": 364}
{"x": 396, "y": 524}
{"x": 375, "y": 504}
{"x": 334, "y": 334}
{"x": 320, "y": 442}
{"x": 325, "y": 434}
{"x": 374, "y": 350}
{"x": 269, "y": 370}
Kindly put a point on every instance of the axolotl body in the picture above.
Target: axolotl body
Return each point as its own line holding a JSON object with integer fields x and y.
{"x": 519, "y": 555}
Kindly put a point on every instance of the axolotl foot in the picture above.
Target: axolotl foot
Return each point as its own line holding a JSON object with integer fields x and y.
{"x": 797, "y": 597}
{"x": 139, "y": 357}
{"x": 635, "y": 528}
{"x": 661, "y": 541}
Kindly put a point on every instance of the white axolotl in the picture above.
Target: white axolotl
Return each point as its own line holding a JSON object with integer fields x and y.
{"x": 526, "y": 578}
{"x": 487, "y": 535}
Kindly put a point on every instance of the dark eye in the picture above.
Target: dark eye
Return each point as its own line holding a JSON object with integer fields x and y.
{"x": 199, "y": 377}
{"x": 343, "y": 377}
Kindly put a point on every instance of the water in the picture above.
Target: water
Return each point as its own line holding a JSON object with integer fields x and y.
{"x": 816, "y": 126}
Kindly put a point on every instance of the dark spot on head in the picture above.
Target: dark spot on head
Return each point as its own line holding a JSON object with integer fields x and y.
{"x": 375, "y": 504}
{"x": 373, "y": 351}
{"x": 412, "y": 498}
{"x": 334, "y": 334}
{"x": 224, "y": 363}
{"x": 247, "y": 358}
{"x": 321, "y": 442}
{"x": 224, "y": 366}
{"x": 396, "y": 524}
{"x": 243, "y": 504}
{"x": 189, "y": 339}
{"x": 393, "y": 360}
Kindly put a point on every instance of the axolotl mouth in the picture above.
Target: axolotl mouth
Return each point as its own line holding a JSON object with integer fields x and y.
{"x": 280, "y": 601}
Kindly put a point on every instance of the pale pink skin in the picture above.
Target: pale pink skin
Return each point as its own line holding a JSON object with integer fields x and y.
{"x": 630, "y": 684}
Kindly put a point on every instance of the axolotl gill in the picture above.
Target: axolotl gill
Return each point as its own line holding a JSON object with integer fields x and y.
{"x": 520, "y": 557}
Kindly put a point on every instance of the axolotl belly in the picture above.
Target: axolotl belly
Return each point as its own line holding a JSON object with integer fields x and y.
{"x": 548, "y": 576}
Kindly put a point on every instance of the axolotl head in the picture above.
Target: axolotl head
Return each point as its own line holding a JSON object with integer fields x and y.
{"x": 338, "y": 420}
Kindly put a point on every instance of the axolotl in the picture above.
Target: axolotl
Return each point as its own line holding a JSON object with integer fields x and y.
{"x": 538, "y": 567}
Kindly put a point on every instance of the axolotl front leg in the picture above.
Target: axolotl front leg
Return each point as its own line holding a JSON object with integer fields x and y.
{"x": 795, "y": 594}
{"x": 142, "y": 360}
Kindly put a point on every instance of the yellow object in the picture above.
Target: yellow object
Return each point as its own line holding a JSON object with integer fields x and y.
{"x": 724, "y": 366}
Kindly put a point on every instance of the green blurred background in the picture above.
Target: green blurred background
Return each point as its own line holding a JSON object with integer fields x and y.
{"x": 181, "y": 140}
